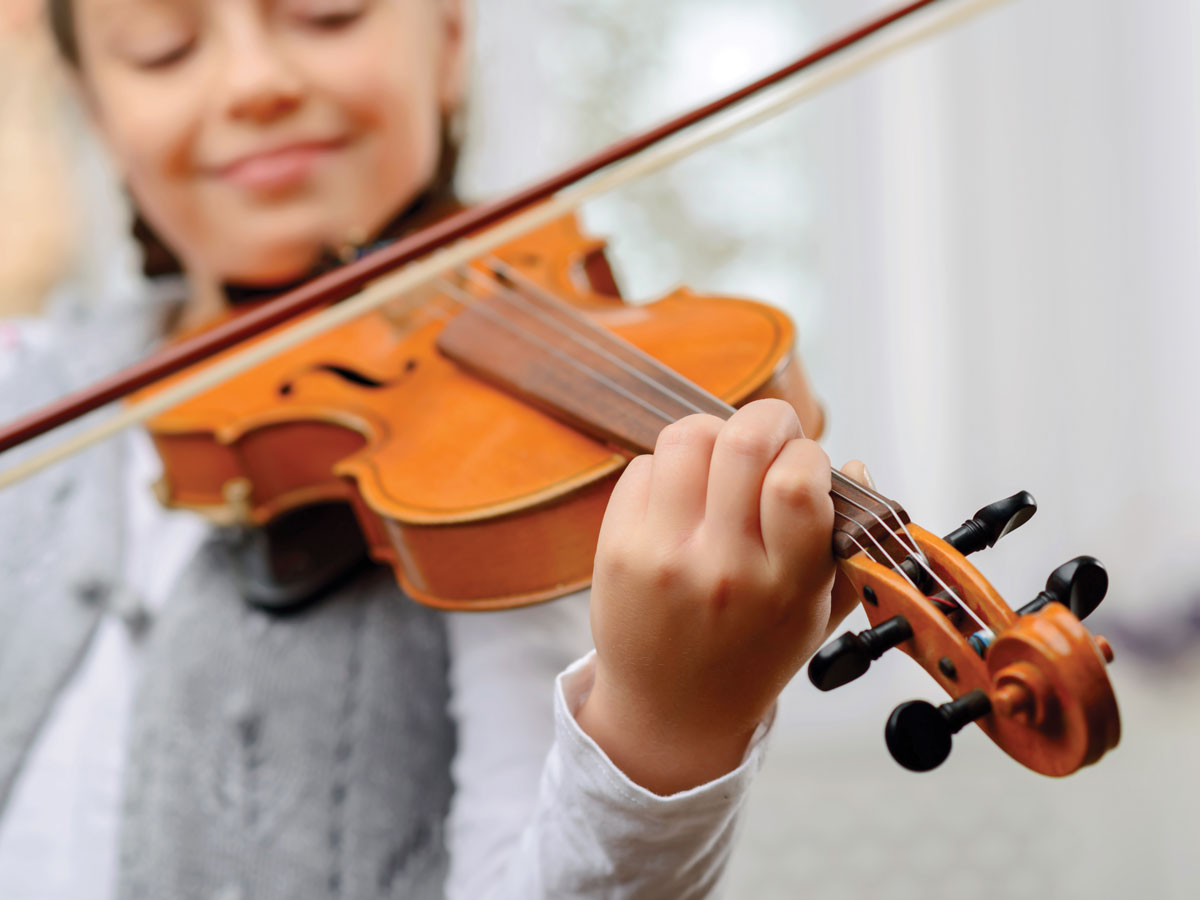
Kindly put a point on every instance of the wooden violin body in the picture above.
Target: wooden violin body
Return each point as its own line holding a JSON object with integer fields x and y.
{"x": 475, "y": 498}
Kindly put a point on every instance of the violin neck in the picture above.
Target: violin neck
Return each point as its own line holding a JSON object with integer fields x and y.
{"x": 526, "y": 341}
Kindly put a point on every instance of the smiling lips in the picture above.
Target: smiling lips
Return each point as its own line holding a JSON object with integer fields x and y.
{"x": 280, "y": 169}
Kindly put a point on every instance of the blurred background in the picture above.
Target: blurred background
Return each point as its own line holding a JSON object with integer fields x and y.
{"x": 991, "y": 247}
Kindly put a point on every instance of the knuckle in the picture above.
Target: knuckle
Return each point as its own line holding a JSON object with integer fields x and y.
{"x": 727, "y": 577}
{"x": 669, "y": 568}
{"x": 621, "y": 561}
{"x": 817, "y": 455}
{"x": 688, "y": 432}
{"x": 778, "y": 411}
{"x": 801, "y": 479}
{"x": 795, "y": 488}
{"x": 716, "y": 586}
{"x": 643, "y": 558}
{"x": 745, "y": 439}
{"x": 723, "y": 591}
{"x": 637, "y": 466}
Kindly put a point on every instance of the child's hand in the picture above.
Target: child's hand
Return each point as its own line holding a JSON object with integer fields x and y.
{"x": 712, "y": 587}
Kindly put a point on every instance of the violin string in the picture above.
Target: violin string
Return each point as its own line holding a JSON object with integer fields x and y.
{"x": 819, "y": 70}
{"x": 515, "y": 274}
{"x": 516, "y": 299}
{"x": 924, "y": 565}
{"x": 913, "y": 547}
{"x": 883, "y": 550}
{"x": 467, "y": 300}
{"x": 899, "y": 570}
{"x": 507, "y": 294}
{"x": 928, "y": 569}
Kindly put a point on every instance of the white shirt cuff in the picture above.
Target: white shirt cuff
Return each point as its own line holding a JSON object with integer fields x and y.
{"x": 572, "y": 688}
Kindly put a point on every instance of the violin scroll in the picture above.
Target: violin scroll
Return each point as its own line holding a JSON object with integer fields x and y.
{"x": 1034, "y": 680}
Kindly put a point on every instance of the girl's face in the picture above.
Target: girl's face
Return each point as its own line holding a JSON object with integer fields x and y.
{"x": 254, "y": 133}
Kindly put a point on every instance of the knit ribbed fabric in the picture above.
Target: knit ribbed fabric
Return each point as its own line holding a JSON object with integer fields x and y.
{"x": 288, "y": 758}
{"x": 51, "y": 597}
{"x": 296, "y": 757}
{"x": 60, "y": 531}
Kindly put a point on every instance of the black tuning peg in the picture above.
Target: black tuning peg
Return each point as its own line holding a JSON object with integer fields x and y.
{"x": 840, "y": 662}
{"x": 1079, "y": 585}
{"x": 983, "y": 529}
{"x": 918, "y": 733}
{"x": 992, "y": 522}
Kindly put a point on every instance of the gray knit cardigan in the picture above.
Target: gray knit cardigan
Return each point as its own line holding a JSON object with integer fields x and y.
{"x": 300, "y": 756}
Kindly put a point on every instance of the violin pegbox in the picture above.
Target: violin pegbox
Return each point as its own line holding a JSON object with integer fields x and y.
{"x": 1034, "y": 680}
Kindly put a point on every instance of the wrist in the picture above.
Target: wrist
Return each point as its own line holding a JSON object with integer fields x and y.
{"x": 661, "y": 754}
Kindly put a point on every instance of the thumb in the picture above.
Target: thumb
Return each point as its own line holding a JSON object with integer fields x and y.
{"x": 857, "y": 470}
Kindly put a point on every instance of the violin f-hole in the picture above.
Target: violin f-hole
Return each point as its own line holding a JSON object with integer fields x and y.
{"x": 347, "y": 374}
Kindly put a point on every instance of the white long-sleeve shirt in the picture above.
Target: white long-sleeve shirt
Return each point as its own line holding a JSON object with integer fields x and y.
{"x": 538, "y": 809}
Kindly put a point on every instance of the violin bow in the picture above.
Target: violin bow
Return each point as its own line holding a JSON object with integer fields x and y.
{"x": 359, "y": 287}
{"x": 1033, "y": 679}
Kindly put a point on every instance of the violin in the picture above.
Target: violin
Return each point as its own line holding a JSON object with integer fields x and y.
{"x": 477, "y": 428}
{"x": 477, "y": 417}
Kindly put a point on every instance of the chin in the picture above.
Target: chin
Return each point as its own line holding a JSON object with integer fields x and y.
{"x": 283, "y": 264}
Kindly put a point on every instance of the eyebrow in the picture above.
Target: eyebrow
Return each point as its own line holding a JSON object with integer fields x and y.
{"x": 103, "y": 5}
{"x": 117, "y": 6}
{"x": 105, "y": 9}
{"x": 109, "y": 14}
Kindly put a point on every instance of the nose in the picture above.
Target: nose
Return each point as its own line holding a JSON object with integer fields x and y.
{"x": 260, "y": 82}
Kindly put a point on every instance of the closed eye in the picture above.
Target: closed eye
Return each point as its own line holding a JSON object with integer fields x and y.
{"x": 334, "y": 20}
{"x": 167, "y": 58}
{"x": 328, "y": 15}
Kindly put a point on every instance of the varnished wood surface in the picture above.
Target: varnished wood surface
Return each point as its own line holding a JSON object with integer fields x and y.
{"x": 459, "y": 483}
{"x": 1053, "y": 706}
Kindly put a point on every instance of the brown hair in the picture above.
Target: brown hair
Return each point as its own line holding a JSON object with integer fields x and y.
{"x": 62, "y": 25}
{"x": 157, "y": 259}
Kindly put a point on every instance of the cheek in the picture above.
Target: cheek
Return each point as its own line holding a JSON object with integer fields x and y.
{"x": 388, "y": 93}
{"x": 148, "y": 124}
{"x": 150, "y": 141}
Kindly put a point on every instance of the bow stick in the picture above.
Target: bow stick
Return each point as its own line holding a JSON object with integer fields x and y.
{"x": 1033, "y": 679}
{"x": 369, "y": 283}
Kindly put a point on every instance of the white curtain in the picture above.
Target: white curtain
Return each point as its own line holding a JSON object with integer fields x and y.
{"x": 1016, "y": 246}
{"x": 992, "y": 246}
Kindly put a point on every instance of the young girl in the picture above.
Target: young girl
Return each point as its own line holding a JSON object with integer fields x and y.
{"x": 310, "y": 755}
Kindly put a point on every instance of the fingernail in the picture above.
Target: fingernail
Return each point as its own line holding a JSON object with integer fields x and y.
{"x": 867, "y": 477}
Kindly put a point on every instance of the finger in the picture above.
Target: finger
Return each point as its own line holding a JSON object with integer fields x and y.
{"x": 678, "y": 487}
{"x": 843, "y": 600}
{"x": 796, "y": 510}
{"x": 745, "y": 448}
{"x": 627, "y": 504}
{"x": 857, "y": 470}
